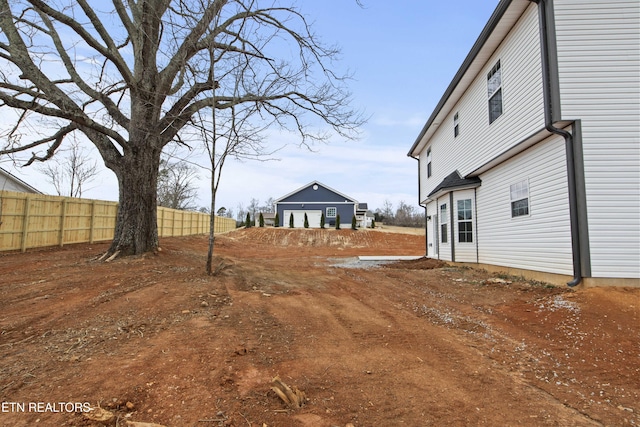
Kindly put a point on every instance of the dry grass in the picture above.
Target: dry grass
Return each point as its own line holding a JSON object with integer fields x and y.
{"x": 402, "y": 230}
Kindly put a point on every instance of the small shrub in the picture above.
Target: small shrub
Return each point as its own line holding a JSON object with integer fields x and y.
{"x": 338, "y": 222}
{"x": 306, "y": 221}
{"x": 322, "y": 220}
{"x": 373, "y": 223}
{"x": 247, "y": 221}
{"x": 291, "y": 221}
{"x": 277, "y": 220}
{"x": 261, "y": 220}
{"x": 354, "y": 223}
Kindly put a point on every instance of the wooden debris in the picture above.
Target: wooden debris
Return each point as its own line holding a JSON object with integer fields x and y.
{"x": 293, "y": 398}
{"x": 138, "y": 424}
{"x": 100, "y": 415}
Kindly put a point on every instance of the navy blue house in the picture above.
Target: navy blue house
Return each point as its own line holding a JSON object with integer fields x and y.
{"x": 315, "y": 199}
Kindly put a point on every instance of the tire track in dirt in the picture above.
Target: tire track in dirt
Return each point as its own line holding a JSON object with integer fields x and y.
{"x": 360, "y": 327}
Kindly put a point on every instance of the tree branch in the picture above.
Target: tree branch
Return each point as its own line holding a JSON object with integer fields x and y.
{"x": 57, "y": 139}
{"x": 109, "y": 51}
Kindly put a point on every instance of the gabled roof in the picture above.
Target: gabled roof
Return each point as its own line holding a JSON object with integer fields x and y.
{"x": 454, "y": 181}
{"x": 351, "y": 199}
{"x": 18, "y": 182}
{"x": 501, "y": 22}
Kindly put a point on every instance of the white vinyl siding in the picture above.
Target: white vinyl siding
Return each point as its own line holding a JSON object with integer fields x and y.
{"x": 542, "y": 240}
{"x": 599, "y": 70}
{"x": 522, "y": 97}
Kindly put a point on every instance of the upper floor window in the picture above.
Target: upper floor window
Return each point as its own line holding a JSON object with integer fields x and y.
{"x": 428, "y": 162}
{"x": 494, "y": 91}
{"x": 456, "y": 126}
{"x": 519, "y": 198}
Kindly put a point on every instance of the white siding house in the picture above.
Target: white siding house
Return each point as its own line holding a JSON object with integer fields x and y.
{"x": 11, "y": 182}
{"x": 530, "y": 162}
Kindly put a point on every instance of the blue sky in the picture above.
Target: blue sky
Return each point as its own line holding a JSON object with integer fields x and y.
{"x": 403, "y": 55}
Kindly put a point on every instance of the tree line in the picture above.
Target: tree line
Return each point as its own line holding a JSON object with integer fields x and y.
{"x": 402, "y": 215}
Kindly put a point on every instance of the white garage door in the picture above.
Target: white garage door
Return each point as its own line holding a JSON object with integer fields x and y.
{"x": 298, "y": 218}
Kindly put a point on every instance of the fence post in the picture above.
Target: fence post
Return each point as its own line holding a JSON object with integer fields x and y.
{"x": 63, "y": 216}
{"x": 92, "y": 224}
{"x": 25, "y": 223}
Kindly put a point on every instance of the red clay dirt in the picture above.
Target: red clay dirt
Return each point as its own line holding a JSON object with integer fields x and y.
{"x": 417, "y": 343}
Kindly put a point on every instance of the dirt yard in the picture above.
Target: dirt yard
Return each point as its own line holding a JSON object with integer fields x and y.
{"x": 153, "y": 339}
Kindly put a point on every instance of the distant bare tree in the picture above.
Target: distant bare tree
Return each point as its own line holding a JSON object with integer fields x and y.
{"x": 70, "y": 175}
{"x": 268, "y": 205}
{"x": 254, "y": 207}
{"x": 176, "y": 187}
{"x": 387, "y": 211}
{"x": 405, "y": 215}
{"x": 241, "y": 212}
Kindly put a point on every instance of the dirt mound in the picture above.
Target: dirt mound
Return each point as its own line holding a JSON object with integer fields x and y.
{"x": 417, "y": 264}
{"x": 326, "y": 238}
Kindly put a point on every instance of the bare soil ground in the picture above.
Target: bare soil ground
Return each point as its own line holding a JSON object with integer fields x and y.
{"x": 154, "y": 339}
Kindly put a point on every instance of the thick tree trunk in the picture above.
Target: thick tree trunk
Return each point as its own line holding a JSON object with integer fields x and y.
{"x": 136, "y": 229}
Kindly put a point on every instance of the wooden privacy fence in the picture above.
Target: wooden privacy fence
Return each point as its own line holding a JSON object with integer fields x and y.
{"x": 35, "y": 221}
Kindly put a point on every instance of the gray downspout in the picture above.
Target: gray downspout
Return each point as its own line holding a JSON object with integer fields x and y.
{"x": 475, "y": 226}
{"x": 451, "y": 230}
{"x": 426, "y": 222}
{"x": 551, "y": 115}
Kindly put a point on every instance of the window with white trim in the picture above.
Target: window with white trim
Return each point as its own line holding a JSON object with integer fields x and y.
{"x": 519, "y": 195}
{"x": 494, "y": 92}
{"x": 444, "y": 219}
{"x": 332, "y": 212}
{"x": 428, "y": 162}
{"x": 465, "y": 221}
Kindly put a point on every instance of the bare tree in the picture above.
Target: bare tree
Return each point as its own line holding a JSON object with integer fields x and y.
{"x": 135, "y": 86}
{"x": 405, "y": 214}
{"x": 254, "y": 207}
{"x": 70, "y": 175}
{"x": 176, "y": 188}
{"x": 387, "y": 211}
{"x": 268, "y": 205}
{"x": 232, "y": 134}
